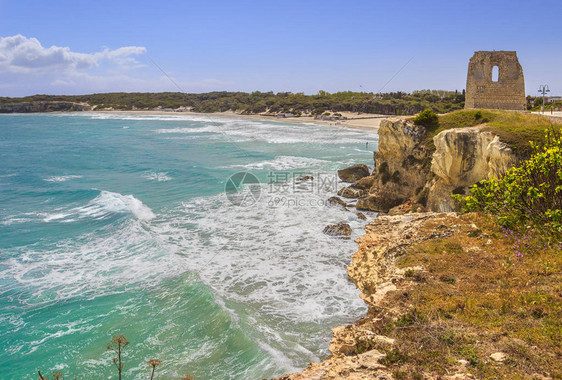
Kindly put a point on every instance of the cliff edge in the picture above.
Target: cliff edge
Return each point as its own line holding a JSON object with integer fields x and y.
{"x": 450, "y": 296}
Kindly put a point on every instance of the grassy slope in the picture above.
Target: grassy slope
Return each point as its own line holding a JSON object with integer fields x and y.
{"x": 475, "y": 297}
{"x": 514, "y": 128}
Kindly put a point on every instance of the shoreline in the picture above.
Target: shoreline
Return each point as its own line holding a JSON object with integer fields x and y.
{"x": 363, "y": 121}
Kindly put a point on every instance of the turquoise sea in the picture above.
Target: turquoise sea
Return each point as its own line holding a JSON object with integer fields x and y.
{"x": 119, "y": 224}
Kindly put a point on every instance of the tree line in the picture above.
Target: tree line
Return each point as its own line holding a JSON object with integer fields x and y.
{"x": 391, "y": 103}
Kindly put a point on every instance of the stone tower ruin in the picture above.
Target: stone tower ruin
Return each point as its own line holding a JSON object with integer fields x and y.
{"x": 506, "y": 92}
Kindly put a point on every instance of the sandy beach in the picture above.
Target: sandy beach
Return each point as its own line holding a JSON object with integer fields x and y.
{"x": 362, "y": 121}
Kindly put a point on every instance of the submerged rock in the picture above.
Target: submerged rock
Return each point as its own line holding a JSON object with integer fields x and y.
{"x": 354, "y": 173}
{"x": 342, "y": 230}
{"x": 336, "y": 201}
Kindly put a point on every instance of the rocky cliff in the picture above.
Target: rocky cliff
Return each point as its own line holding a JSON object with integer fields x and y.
{"x": 410, "y": 166}
{"x": 457, "y": 262}
{"x": 374, "y": 272}
{"x": 28, "y": 107}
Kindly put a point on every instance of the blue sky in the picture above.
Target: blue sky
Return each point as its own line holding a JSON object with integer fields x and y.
{"x": 77, "y": 47}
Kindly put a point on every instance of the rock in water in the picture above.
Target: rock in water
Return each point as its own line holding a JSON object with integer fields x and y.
{"x": 342, "y": 230}
{"x": 353, "y": 173}
{"x": 335, "y": 201}
{"x": 350, "y": 192}
{"x": 304, "y": 178}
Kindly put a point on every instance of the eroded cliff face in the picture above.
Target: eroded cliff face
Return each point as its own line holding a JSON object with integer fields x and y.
{"x": 408, "y": 169}
{"x": 401, "y": 166}
{"x": 463, "y": 157}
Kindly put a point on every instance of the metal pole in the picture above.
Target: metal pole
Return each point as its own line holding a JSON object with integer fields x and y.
{"x": 543, "y": 88}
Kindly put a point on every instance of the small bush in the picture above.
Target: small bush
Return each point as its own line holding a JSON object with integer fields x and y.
{"x": 394, "y": 357}
{"x": 427, "y": 118}
{"x": 529, "y": 195}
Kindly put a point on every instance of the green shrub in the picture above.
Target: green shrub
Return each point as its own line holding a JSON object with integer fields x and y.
{"x": 427, "y": 118}
{"x": 530, "y": 194}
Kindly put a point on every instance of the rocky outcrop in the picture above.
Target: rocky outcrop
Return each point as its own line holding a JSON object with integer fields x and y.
{"x": 401, "y": 168}
{"x": 409, "y": 168}
{"x": 29, "y": 107}
{"x": 336, "y": 201}
{"x": 463, "y": 157}
{"x": 374, "y": 273}
{"x": 353, "y": 173}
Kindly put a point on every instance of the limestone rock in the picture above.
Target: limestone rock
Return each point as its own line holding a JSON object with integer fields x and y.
{"x": 361, "y": 216}
{"x": 370, "y": 359}
{"x": 380, "y": 202}
{"x": 368, "y": 203}
{"x": 365, "y": 183}
{"x": 351, "y": 192}
{"x": 353, "y": 173}
{"x": 336, "y": 201}
{"x": 402, "y": 162}
{"x": 463, "y": 157}
{"x": 498, "y": 357}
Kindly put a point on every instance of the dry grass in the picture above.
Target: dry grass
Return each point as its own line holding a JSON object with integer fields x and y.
{"x": 473, "y": 298}
{"x": 514, "y": 128}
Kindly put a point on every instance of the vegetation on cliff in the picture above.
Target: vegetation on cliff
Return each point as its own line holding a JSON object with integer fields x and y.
{"x": 527, "y": 196}
{"x": 392, "y": 103}
{"x": 516, "y": 129}
{"x": 482, "y": 291}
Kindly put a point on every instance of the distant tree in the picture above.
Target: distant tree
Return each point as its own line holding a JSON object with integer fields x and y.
{"x": 118, "y": 343}
{"x": 153, "y": 363}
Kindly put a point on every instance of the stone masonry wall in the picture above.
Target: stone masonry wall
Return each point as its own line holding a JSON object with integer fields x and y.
{"x": 507, "y": 93}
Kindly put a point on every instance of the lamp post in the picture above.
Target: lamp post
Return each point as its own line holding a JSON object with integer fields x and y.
{"x": 543, "y": 89}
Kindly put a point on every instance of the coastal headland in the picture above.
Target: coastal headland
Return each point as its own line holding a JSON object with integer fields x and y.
{"x": 450, "y": 295}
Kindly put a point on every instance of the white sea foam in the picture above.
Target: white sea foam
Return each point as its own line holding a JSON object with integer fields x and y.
{"x": 157, "y": 176}
{"x": 275, "y": 133}
{"x": 107, "y": 203}
{"x": 97, "y": 263}
{"x": 103, "y": 206}
{"x": 274, "y": 259}
{"x": 283, "y": 163}
{"x": 61, "y": 178}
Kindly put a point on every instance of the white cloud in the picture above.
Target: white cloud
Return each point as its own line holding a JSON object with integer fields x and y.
{"x": 19, "y": 54}
{"x": 27, "y": 67}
